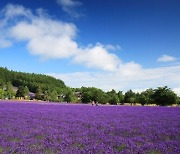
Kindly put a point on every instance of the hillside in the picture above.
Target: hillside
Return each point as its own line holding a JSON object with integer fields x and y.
{"x": 31, "y": 80}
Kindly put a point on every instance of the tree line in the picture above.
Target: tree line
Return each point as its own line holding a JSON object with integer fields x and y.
{"x": 162, "y": 96}
{"x": 18, "y": 85}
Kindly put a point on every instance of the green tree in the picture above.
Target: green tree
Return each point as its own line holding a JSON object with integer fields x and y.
{"x": 69, "y": 96}
{"x": 137, "y": 97}
{"x": 93, "y": 94}
{"x": 130, "y": 97}
{"x": 9, "y": 91}
{"x": 39, "y": 93}
{"x": 164, "y": 96}
{"x": 99, "y": 96}
{"x": 86, "y": 96}
{"x": 26, "y": 92}
{"x": 46, "y": 96}
{"x": 143, "y": 99}
{"x": 23, "y": 92}
{"x": 53, "y": 95}
{"x": 2, "y": 94}
{"x": 2, "y": 83}
{"x": 178, "y": 100}
{"x": 113, "y": 97}
{"x": 121, "y": 97}
{"x": 149, "y": 95}
{"x": 19, "y": 92}
{"x": 132, "y": 100}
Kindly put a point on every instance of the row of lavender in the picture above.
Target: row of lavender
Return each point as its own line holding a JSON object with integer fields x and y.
{"x": 54, "y": 128}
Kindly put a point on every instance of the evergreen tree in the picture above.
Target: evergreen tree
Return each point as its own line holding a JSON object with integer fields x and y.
{"x": 39, "y": 92}
{"x": 9, "y": 91}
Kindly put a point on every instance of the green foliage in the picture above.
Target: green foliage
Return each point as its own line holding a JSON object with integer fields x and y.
{"x": 69, "y": 96}
{"x": 26, "y": 92}
{"x": 93, "y": 94}
{"x": 143, "y": 99}
{"x": 130, "y": 97}
{"x": 120, "y": 148}
{"x": 23, "y": 92}
{"x": 121, "y": 97}
{"x": 45, "y": 87}
{"x": 164, "y": 96}
{"x": 39, "y": 93}
{"x": 86, "y": 95}
{"x": 149, "y": 95}
{"x": 46, "y": 96}
{"x": 53, "y": 95}
{"x": 31, "y": 80}
{"x": 1, "y": 150}
{"x": 2, "y": 94}
{"x": 9, "y": 91}
{"x": 178, "y": 100}
{"x": 132, "y": 100}
{"x": 2, "y": 83}
{"x": 113, "y": 97}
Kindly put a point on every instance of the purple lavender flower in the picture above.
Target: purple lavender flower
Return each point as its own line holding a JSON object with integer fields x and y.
{"x": 59, "y": 128}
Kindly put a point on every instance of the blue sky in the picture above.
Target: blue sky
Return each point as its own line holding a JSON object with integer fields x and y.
{"x": 109, "y": 44}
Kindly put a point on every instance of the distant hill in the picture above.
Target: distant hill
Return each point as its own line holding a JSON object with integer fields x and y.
{"x": 31, "y": 80}
{"x": 19, "y": 85}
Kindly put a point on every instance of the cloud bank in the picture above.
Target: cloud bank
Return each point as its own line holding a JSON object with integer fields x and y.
{"x": 50, "y": 38}
{"x": 128, "y": 76}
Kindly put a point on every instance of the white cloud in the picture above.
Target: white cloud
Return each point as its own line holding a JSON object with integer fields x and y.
{"x": 52, "y": 41}
{"x": 166, "y": 58}
{"x": 129, "y": 70}
{"x": 177, "y": 91}
{"x": 69, "y": 7}
{"x": 97, "y": 56}
{"x": 137, "y": 78}
{"x": 50, "y": 38}
{"x": 12, "y": 10}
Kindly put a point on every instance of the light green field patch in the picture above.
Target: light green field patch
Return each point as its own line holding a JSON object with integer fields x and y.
{"x": 49, "y": 151}
{"x": 78, "y": 145}
{"x": 154, "y": 152}
{"x": 12, "y": 139}
{"x": 39, "y": 137}
{"x": 120, "y": 148}
{"x": 1, "y": 149}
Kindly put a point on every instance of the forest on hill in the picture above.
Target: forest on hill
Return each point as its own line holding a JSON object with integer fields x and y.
{"x": 20, "y": 85}
{"x": 29, "y": 83}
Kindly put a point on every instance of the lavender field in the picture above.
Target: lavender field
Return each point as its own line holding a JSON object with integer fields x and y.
{"x": 60, "y": 128}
